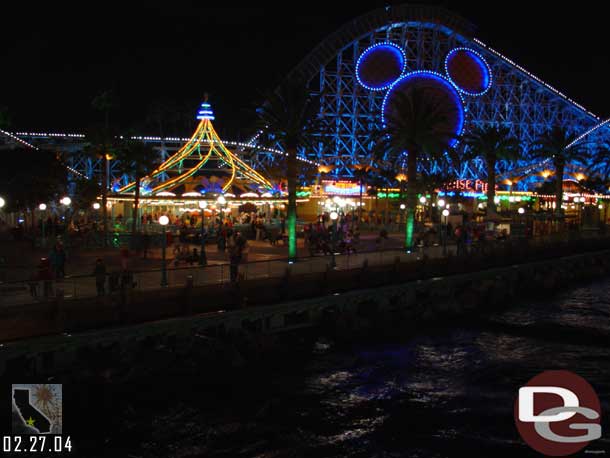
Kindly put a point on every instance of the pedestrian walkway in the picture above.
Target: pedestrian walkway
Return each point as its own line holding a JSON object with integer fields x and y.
{"x": 261, "y": 264}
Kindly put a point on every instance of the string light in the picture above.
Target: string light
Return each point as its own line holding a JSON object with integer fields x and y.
{"x": 531, "y": 75}
{"x": 398, "y": 51}
{"x": 482, "y": 64}
{"x": 589, "y": 132}
{"x": 436, "y": 77}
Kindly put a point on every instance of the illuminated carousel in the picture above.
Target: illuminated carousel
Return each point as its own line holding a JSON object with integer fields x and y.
{"x": 203, "y": 173}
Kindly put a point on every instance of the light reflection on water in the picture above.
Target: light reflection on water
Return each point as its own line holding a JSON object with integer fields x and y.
{"x": 446, "y": 393}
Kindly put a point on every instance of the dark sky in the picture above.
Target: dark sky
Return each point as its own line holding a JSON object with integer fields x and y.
{"x": 54, "y": 59}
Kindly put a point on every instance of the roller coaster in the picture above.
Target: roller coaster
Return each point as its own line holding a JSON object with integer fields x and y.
{"x": 413, "y": 45}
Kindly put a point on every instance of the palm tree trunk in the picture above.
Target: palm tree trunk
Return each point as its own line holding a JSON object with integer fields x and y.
{"x": 386, "y": 216}
{"x": 360, "y": 206}
{"x": 104, "y": 199}
{"x": 559, "y": 169}
{"x": 491, "y": 187}
{"x": 291, "y": 220}
{"x": 411, "y": 198}
{"x": 136, "y": 205}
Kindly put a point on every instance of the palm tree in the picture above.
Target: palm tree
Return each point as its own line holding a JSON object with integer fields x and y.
{"x": 415, "y": 129}
{"x": 559, "y": 145}
{"x": 492, "y": 144}
{"x": 99, "y": 144}
{"x": 362, "y": 172}
{"x": 136, "y": 159}
{"x": 388, "y": 175}
{"x": 600, "y": 166}
{"x": 290, "y": 118}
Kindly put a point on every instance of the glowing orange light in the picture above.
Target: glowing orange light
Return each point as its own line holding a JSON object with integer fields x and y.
{"x": 325, "y": 168}
{"x": 546, "y": 173}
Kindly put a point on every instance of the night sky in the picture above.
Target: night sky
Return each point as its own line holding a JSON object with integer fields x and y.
{"x": 55, "y": 59}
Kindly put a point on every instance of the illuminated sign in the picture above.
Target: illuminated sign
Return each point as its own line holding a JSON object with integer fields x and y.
{"x": 475, "y": 186}
{"x": 344, "y": 188}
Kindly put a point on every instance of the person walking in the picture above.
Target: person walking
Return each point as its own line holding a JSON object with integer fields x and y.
{"x": 234, "y": 260}
{"x": 58, "y": 260}
{"x": 145, "y": 245}
{"x": 100, "y": 277}
{"x": 45, "y": 275}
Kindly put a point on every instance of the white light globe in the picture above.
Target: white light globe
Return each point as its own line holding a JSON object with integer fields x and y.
{"x": 422, "y": 200}
{"x": 521, "y": 211}
{"x": 96, "y": 206}
{"x": 203, "y": 204}
{"x": 445, "y": 212}
{"x": 163, "y": 220}
{"x": 334, "y": 216}
{"x": 2, "y": 202}
{"x": 403, "y": 206}
{"x": 42, "y": 207}
{"x": 221, "y": 200}
{"x": 66, "y": 201}
{"x": 441, "y": 203}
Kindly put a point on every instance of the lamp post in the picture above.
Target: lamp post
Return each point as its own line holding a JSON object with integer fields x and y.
{"x": 444, "y": 231}
{"x": 221, "y": 201}
{"x": 42, "y": 208}
{"x": 440, "y": 204}
{"x": 163, "y": 221}
{"x": 423, "y": 201}
{"x": 333, "y": 217}
{"x": 66, "y": 201}
{"x": 202, "y": 257}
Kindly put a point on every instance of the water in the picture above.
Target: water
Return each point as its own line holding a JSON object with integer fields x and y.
{"x": 448, "y": 392}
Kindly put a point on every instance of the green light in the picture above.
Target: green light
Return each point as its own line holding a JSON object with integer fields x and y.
{"x": 303, "y": 193}
{"x": 392, "y": 195}
{"x": 409, "y": 228}
{"x": 291, "y": 222}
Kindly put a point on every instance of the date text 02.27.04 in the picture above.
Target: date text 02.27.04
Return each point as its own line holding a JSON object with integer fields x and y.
{"x": 36, "y": 444}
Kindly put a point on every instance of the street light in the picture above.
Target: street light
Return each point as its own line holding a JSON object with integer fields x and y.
{"x": 163, "y": 221}
{"x": 202, "y": 257}
{"x": 2, "y": 202}
{"x": 221, "y": 201}
{"x": 441, "y": 203}
{"x": 66, "y": 201}
{"x": 444, "y": 232}
{"x": 333, "y": 217}
{"x": 521, "y": 210}
{"x": 96, "y": 206}
{"x": 42, "y": 208}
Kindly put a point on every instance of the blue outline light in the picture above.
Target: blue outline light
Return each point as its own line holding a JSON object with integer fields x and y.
{"x": 483, "y": 65}
{"x": 459, "y": 101}
{"x": 205, "y": 112}
{"x": 386, "y": 44}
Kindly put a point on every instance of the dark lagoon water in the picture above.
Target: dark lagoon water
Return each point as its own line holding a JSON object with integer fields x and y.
{"x": 447, "y": 392}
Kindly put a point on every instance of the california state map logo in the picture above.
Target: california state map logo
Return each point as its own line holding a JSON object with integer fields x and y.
{"x": 37, "y": 409}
